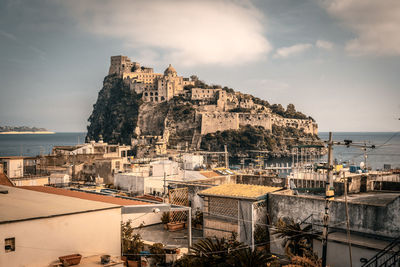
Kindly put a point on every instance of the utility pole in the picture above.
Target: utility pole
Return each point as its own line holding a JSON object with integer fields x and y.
{"x": 165, "y": 185}
{"x": 226, "y": 157}
{"x": 328, "y": 195}
{"x": 365, "y": 156}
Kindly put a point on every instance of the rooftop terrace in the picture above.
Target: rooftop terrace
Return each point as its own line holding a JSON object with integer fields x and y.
{"x": 239, "y": 191}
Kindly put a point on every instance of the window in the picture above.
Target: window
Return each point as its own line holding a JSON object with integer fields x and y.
{"x": 9, "y": 244}
{"x": 117, "y": 165}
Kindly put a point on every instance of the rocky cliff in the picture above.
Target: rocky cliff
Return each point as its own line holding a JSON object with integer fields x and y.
{"x": 120, "y": 115}
{"x": 115, "y": 113}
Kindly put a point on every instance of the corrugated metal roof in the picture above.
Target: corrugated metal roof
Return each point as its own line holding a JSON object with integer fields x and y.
{"x": 239, "y": 190}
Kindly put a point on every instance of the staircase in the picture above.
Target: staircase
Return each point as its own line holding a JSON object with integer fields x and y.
{"x": 389, "y": 256}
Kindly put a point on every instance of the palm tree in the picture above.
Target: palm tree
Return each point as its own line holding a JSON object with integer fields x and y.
{"x": 298, "y": 240}
{"x": 213, "y": 252}
{"x": 246, "y": 257}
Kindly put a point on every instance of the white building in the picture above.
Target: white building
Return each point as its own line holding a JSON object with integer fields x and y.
{"x": 192, "y": 162}
{"x": 36, "y": 228}
{"x": 13, "y": 167}
{"x": 59, "y": 178}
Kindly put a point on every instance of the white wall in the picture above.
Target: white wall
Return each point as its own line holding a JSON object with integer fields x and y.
{"x": 142, "y": 218}
{"x": 192, "y": 162}
{"x": 15, "y": 168}
{"x": 40, "y": 242}
{"x": 169, "y": 167}
{"x": 59, "y": 178}
{"x": 31, "y": 181}
{"x": 129, "y": 182}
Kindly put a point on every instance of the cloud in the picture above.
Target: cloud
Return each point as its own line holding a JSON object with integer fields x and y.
{"x": 324, "y": 44}
{"x": 8, "y": 35}
{"x": 285, "y": 52}
{"x": 13, "y": 38}
{"x": 376, "y": 25}
{"x": 185, "y": 32}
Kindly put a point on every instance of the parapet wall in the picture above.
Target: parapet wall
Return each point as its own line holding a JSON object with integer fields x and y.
{"x": 219, "y": 121}
{"x": 263, "y": 120}
{"x": 366, "y": 217}
{"x": 308, "y": 126}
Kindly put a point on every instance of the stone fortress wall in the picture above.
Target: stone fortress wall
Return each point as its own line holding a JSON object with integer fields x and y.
{"x": 263, "y": 120}
{"x": 219, "y": 121}
{"x": 307, "y": 125}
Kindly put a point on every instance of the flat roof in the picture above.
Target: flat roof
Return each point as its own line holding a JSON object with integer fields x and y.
{"x": 210, "y": 174}
{"x": 13, "y": 157}
{"x": 85, "y": 195}
{"x": 239, "y": 191}
{"x": 21, "y": 204}
{"x": 373, "y": 198}
{"x": 370, "y": 198}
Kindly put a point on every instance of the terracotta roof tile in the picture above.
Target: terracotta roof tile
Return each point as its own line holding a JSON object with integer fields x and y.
{"x": 209, "y": 174}
{"x": 4, "y": 180}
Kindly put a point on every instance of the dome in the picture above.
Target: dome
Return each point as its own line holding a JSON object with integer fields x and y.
{"x": 169, "y": 70}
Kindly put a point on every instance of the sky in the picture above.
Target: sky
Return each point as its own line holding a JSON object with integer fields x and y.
{"x": 337, "y": 61}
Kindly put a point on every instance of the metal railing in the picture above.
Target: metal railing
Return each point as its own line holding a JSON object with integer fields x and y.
{"x": 389, "y": 256}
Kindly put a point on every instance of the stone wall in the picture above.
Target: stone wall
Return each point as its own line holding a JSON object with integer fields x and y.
{"x": 378, "y": 219}
{"x": 307, "y": 125}
{"x": 263, "y": 120}
{"x": 219, "y": 121}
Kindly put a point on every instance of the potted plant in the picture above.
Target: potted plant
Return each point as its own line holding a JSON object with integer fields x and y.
{"x": 158, "y": 254}
{"x": 197, "y": 220}
{"x": 132, "y": 245}
{"x": 72, "y": 259}
{"x": 165, "y": 220}
{"x": 175, "y": 226}
{"x": 133, "y": 255}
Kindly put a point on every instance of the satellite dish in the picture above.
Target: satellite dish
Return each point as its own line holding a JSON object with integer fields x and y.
{"x": 362, "y": 164}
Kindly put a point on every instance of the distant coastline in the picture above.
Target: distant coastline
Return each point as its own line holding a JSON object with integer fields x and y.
{"x": 28, "y": 132}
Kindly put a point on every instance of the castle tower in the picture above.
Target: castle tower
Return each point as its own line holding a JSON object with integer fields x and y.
{"x": 120, "y": 64}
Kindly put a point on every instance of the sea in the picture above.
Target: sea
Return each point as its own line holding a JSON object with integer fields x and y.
{"x": 386, "y": 151}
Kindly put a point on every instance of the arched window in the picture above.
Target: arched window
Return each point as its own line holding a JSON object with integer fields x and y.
{"x": 146, "y": 94}
{"x": 162, "y": 98}
{"x": 156, "y": 99}
{"x": 151, "y": 93}
{"x": 151, "y": 99}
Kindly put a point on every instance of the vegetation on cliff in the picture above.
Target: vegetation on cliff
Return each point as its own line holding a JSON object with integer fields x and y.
{"x": 115, "y": 113}
{"x": 280, "y": 140}
{"x": 21, "y": 129}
